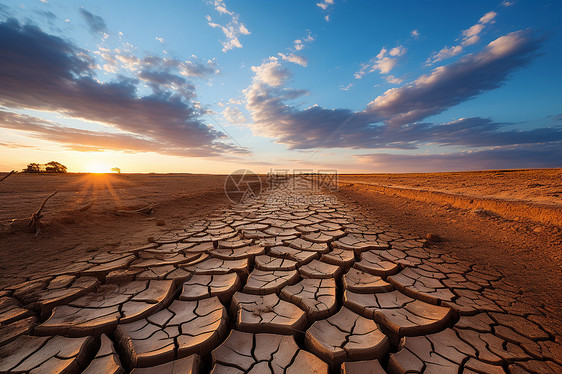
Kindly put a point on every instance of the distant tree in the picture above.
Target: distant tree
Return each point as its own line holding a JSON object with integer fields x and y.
{"x": 49, "y": 167}
{"x": 116, "y": 170}
{"x": 32, "y": 168}
{"x": 55, "y": 167}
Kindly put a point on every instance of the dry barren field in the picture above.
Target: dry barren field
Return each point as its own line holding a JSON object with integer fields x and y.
{"x": 538, "y": 186}
{"x": 70, "y": 232}
{"x": 390, "y": 274}
{"x": 533, "y": 195}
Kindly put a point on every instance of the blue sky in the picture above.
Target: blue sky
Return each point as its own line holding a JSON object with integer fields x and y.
{"x": 213, "y": 86}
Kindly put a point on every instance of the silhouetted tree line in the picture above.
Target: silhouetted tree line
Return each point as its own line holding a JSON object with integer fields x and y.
{"x": 49, "y": 167}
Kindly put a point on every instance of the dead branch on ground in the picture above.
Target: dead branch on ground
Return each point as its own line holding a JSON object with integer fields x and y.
{"x": 83, "y": 208}
{"x": 24, "y": 224}
{"x": 35, "y": 220}
{"x": 147, "y": 210}
{"x": 7, "y": 175}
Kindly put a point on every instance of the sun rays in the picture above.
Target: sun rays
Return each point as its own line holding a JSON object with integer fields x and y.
{"x": 92, "y": 186}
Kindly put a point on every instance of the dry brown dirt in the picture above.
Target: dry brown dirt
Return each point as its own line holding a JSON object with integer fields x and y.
{"x": 527, "y": 251}
{"x": 69, "y": 233}
{"x": 529, "y": 185}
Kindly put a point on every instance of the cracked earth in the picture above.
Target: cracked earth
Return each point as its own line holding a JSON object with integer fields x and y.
{"x": 285, "y": 285}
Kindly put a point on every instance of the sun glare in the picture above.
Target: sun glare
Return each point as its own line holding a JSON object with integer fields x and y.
{"x": 99, "y": 168}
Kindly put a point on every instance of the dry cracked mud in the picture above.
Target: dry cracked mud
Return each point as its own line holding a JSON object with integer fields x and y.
{"x": 289, "y": 282}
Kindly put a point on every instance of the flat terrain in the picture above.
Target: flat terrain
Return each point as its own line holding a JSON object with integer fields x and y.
{"x": 537, "y": 186}
{"x": 420, "y": 203}
{"x": 293, "y": 281}
{"x": 71, "y": 232}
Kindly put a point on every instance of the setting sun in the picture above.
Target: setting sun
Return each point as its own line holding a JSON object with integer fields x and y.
{"x": 98, "y": 168}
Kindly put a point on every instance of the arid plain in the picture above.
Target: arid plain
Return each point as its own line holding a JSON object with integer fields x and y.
{"x": 503, "y": 223}
{"x": 87, "y": 215}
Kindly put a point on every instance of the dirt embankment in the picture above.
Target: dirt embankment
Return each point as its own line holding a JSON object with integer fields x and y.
{"x": 518, "y": 195}
{"x": 71, "y": 233}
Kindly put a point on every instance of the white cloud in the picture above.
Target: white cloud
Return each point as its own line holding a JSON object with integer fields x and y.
{"x": 384, "y": 62}
{"x": 415, "y": 34}
{"x": 291, "y": 57}
{"x": 271, "y": 73}
{"x": 232, "y": 30}
{"x": 393, "y": 80}
{"x": 234, "y": 115}
{"x": 299, "y": 44}
{"x": 244, "y": 30}
{"x": 470, "y": 36}
{"x": 488, "y": 17}
{"x": 169, "y": 114}
{"x": 392, "y": 120}
{"x": 221, "y": 8}
{"x": 325, "y": 4}
{"x": 397, "y": 51}
{"x": 385, "y": 65}
{"x": 447, "y": 52}
{"x": 309, "y": 37}
{"x": 235, "y": 101}
{"x": 507, "y": 3}
{"x": 161, "y": 40}
{"x": 472, "y": 31}
{"x": 362, "y": 72}
{"x": 451, "y": 84}
{"x": 153, "y": 67}
{"x": 129, "y": 62}
{"x": 471, "y": 40}
{"x": 346, "y": 88}
{"x": 110, "y": 68}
